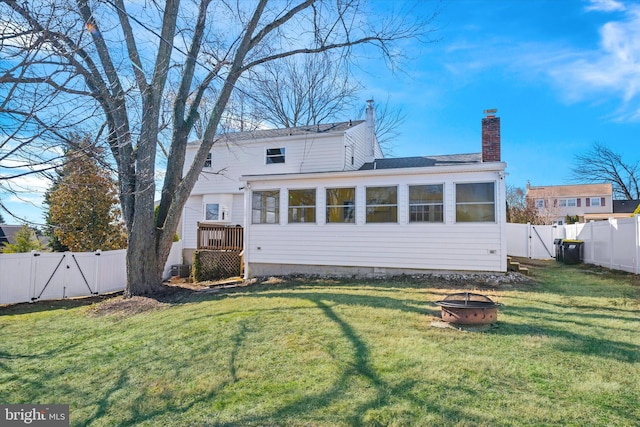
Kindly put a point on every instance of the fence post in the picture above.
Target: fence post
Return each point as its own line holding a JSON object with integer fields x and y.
{"x": 637, "y": 260}
{"x": 529, "y": 241}
{"x": 32, "y": 275}
{"x": 97, "y": 276}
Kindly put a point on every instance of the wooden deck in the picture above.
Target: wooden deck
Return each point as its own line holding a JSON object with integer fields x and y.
{"x": 220, "y": 237}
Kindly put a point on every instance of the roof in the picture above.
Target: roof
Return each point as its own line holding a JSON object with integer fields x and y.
{"x": 578, "y": 190}
{"x": 625, "y": 206}
{"x": 8, "y": 233}
{"x": 423, "y": 161}
{"x": 320, "y": 129}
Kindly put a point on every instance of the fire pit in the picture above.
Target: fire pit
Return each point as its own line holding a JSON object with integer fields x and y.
{"x": 467, "y": 308}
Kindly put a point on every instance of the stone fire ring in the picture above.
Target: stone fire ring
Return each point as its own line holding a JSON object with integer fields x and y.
{"x": 467, "y": 308}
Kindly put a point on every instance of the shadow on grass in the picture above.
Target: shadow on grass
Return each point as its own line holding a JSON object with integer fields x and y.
{"x": 360, "y": 369}
{"x": 557, "y": 325}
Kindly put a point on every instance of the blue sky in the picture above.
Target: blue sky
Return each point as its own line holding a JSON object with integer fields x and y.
{"x": 563, "y": 74}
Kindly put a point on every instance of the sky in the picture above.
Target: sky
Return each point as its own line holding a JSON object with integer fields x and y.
{"x": 562, "y": 75}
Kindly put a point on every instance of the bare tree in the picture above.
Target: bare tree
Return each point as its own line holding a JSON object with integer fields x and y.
{"x": 521, "y": 210}
{"x": 303, "y": 91}
{"x": 601, "y": 165}
{"x": 389, "y": 120}
{"x": 105, "y": 67}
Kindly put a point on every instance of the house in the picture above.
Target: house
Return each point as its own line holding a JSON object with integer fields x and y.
{"x": 624, "y": 208}
{"x": 325, "y": 201}
{"x": 586, "y": 201}
{"x": 8, "y": 233}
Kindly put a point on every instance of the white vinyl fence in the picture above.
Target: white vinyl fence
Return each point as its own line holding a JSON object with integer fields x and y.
{"x": 614, "y": 243}
{"x": 36, "y": 276}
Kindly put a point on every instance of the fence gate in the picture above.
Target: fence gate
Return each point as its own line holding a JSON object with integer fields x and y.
{"x": 57, "y": 275}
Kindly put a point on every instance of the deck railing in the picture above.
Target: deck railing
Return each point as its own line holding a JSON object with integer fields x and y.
{"x": 220, "y": 237}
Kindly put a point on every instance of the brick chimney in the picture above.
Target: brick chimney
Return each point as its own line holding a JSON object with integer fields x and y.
{"x": 491, "y": 136}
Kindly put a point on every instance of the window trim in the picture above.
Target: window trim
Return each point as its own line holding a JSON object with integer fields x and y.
{"x": 270, "y": 157}
{"x": 368, "y": 206}
{"x": 264, "y": 209}
{"x": 441, "y": 203}
{"x": 217, "y": 212}
{"x": 343, "y": 206}
{"x": 493, "y": 203}
{"x": 304, "y": 208}
{"x": 208, "y": 161}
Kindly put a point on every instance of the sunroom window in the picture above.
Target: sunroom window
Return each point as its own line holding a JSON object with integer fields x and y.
{"x": 476, "y": 202}
{"x": 382, "y": 204}
{"x": 265, "y": 207}
{"x": 341, "y": 204}
{"x": 426, "y": 203}
{"x": 302, "y": 205}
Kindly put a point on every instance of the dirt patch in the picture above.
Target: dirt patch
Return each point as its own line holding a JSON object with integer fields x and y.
{"x": 123, "y": 307}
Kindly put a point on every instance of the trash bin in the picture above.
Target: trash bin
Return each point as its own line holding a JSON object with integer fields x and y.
{"x": 572, "y": 251}
{"x": 558, "y": 244}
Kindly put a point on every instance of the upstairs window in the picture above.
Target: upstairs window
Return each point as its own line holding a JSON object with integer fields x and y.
{"x": 265, "y": 207}
{"x": 595, "y": 201}
{"x": 275, "y": 155}
{"x": 341, "y": 204}
{"x": 426, "y": 203}
{"x": 207, "y": 163}
{"x": 476, "y": 202}
{"x": 382, "y": 204}
{"x": 302, "y": 205}
{"x": 540, "y": 203}
{"x": 568, "y": 203}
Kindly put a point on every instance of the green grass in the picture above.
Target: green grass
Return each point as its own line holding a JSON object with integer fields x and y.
{"x": 565, "y": 351}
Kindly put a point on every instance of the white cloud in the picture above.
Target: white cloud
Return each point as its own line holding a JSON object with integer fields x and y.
{"x": 605, "y": 6}
{"x": 612, "y": 69}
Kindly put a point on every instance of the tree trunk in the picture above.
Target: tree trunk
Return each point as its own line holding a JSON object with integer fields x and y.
{"x": 143, "y": 276}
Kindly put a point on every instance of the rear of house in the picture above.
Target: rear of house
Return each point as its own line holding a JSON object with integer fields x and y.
{"x": 387, "y": 218}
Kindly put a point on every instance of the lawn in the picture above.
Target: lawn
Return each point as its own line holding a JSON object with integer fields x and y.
{"x": 565, "y": 351}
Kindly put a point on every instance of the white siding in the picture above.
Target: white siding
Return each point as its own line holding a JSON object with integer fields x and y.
{"x": 302, "y": 154}
{"x": 439, "y": 246}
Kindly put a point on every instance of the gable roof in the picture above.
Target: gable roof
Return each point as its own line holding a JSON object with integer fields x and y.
{"x": 578, "y": 190}
{"x": 320, "y": 129}
{"x": 625, "y": 206}
{"x": 8, "y": 233}
{"x": 423, "y": 161}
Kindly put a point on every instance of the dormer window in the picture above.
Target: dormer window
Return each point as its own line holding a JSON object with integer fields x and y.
{"x": 275, "y": 155}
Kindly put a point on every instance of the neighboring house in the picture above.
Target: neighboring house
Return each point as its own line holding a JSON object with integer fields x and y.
{"x": 624, "y": 208}
{"x": 586, "y": 201}
{"x": 324, "y": 200}
{"x": 7, "y": 233}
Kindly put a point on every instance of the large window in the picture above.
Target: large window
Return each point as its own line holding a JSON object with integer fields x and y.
{"x": 568, "y": 203}
{"x": 382, "y": 204}
{"x": 341, "y": 204}
{"x": 275, "y": 155}
{"x": 211, "y": 212}
{"x": 595, "y": 201}
{"x": 475, "y": 202}
{"x": 426, "y": 203}
{"x": 302, "y": 205}
{"x": 265, "y": 207}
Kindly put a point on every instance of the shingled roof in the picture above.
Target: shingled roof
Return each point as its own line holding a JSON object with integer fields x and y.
{"x": 8, "y": 233}
{"x": 310, "y": 130}
{"x": 423, "y": 161}
{"x": 578, "y": 190}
